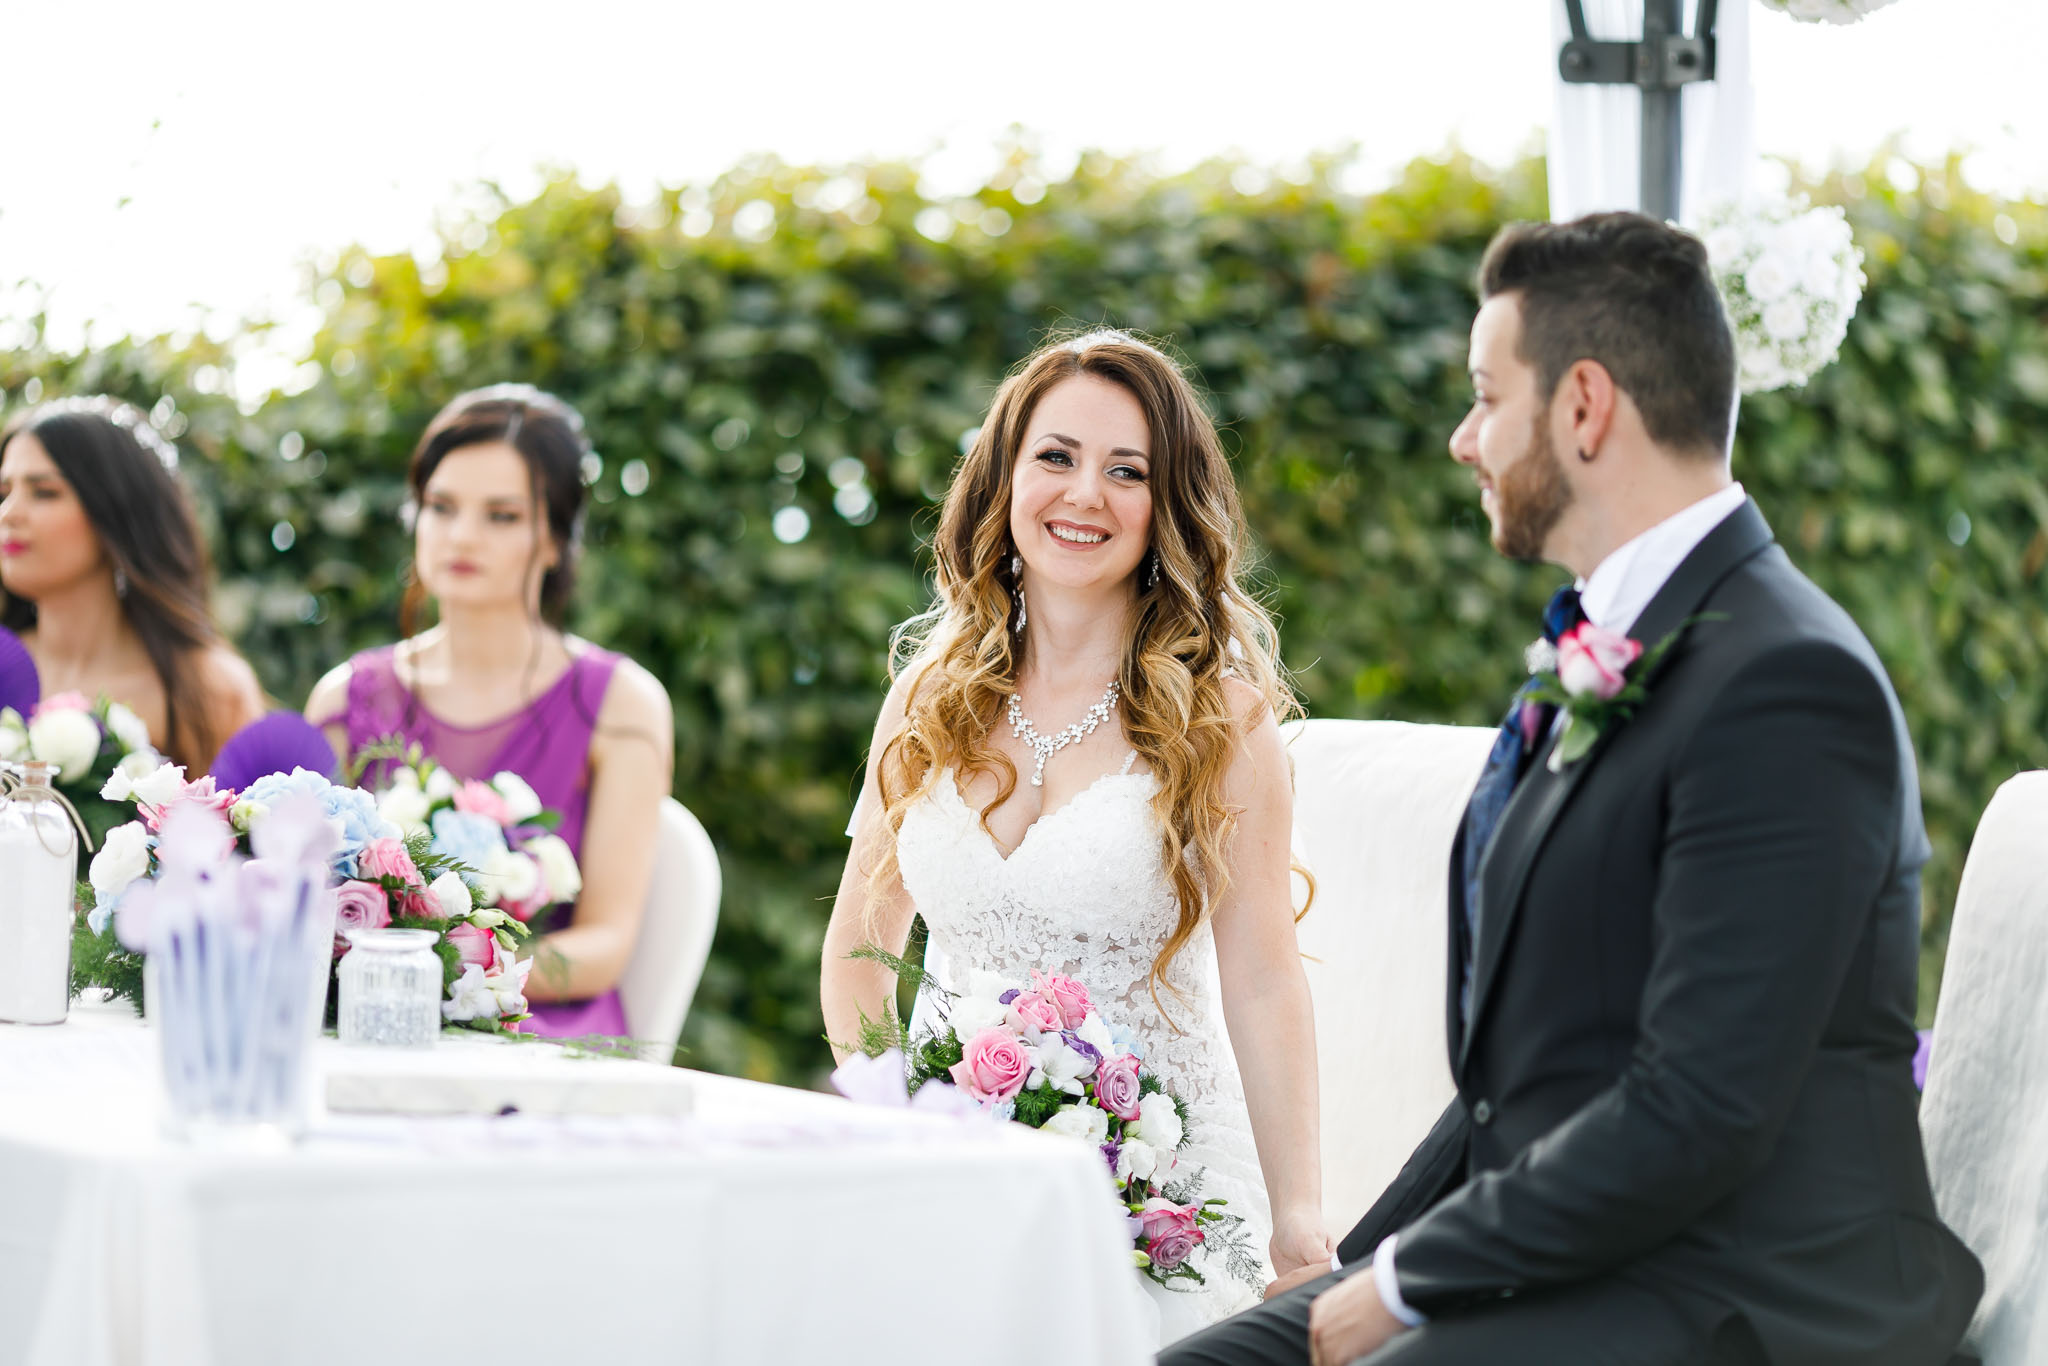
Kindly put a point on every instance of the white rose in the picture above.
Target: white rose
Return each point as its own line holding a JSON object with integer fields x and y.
{"x": 1136, "y": 1158}
{"x": 1785, "y": 320}
{"x": 123, "y": 857}
{"x": 558, "y": 870}
{"x": 13, "y": 735}
{"x": 127, "y": 727}
{"x": 1722, "y": 245}
{"x": 1772, "y": 277}
{"x": 451, "y": 894}
{"x": 1158, "y": 1122}
{"x": 68, "y": 738}
{"x": 405, "y": 806}
{"x": 509, "y": 876}
{"x": 520, "y": 799}
{"x": 1084, "y": 1121}
{"x": 973, "y": 1013}
{"x": 442, "y": 786}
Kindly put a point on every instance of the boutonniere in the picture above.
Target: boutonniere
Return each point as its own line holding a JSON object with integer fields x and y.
{"x": 1595, "y": 677}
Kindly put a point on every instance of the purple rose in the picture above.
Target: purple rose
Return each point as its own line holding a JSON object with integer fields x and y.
{"x": 358, "y": 906}
{"x": 1170, "y": 1232}
{"x": 1116, "y": 1087}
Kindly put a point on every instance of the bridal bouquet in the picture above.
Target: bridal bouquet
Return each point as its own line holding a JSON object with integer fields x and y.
{"x": 1042, "y": 1056}
{"x": 1791, "y": 277}
{"x": 498, "y": 831}
{"x": 87, "y": 741}
{"x": 1827, "y": 11}
{"x": 381, "y": 877}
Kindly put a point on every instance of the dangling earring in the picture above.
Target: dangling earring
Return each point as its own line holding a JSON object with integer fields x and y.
{"x": 1017, "y": 586}
{"x": 1152, "y": 571}
{"x": 120, "y": 582}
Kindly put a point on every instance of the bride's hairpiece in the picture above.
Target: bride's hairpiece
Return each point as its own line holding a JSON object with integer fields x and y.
{"x": 126, "y": 416}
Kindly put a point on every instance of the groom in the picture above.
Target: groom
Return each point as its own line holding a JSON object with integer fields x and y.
{"x": 1682, "y": 963}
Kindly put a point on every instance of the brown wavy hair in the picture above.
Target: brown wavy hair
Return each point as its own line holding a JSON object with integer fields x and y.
{"x": 1192, "y": 629}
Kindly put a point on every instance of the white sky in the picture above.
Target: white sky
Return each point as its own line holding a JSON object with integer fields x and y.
{"x": 167, "y": 163}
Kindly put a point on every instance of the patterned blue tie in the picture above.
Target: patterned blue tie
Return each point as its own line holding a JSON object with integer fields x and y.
{"x": 1521, "y": 732}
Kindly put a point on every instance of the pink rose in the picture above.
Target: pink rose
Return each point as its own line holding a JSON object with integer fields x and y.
{"x": 1116, "y": 1087}
{"x": 474, "y": 945}
{"x": 483, "y": 800}
{"x": 387, "y": 858}
{"x": 200, "y": 793}
{"x": 358, "y": 906}
{"x": 1590, "y": 660}
{"x": 1169, "y": 1232}
{"x": 1068, "y": 997}
{"x": 1033, "y": 1013}
{"x": 64, "y": 701}
{"x": 994, "y": 1065}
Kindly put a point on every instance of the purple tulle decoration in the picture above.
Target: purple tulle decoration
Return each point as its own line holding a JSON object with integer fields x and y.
{"x": 1920, "y": 1056}
{"x": 21, "y": 687}
{"x": 278, "y": 743}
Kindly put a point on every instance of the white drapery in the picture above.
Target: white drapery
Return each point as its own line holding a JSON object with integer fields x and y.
{"x": 1595, "y": 130}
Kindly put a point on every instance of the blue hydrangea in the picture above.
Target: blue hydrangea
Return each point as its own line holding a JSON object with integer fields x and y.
{"x": 467, "y": 838}
{"x": 352, "y": 810}
{"x": 1126, "y": 1042}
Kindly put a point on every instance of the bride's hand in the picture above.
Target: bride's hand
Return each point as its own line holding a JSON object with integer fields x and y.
{"x": 1299, "y": 1242}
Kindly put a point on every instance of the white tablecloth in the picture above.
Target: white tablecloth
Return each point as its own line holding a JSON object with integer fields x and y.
{"x": 771, "y": 1226}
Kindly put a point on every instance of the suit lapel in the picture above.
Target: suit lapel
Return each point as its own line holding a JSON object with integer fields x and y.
{"x": 1542, "y": 795}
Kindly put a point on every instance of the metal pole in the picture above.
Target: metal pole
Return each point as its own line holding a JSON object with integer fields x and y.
{"x": 1662, "y": 133}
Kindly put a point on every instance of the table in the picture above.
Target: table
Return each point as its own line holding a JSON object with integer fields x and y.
{"x": 769, "y": 1226}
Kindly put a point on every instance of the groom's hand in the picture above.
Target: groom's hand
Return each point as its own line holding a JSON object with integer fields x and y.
{"x": 1348, "y": 1321}
{"x": 1296, "y": 1278}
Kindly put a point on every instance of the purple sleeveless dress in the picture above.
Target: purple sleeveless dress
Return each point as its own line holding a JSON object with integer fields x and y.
{"x": 547, "y": 743}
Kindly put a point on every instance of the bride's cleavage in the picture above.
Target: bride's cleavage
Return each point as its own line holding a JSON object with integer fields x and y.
{"x": 1007, "y": 852}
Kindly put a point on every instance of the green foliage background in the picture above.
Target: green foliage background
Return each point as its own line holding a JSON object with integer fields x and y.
{"x": 789, "y": 338}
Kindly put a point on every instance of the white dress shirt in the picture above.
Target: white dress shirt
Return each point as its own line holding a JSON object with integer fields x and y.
{"x": 1612, "y": 597}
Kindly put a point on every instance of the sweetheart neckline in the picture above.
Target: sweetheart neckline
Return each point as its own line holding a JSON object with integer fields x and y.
{"x": 953, "y": 785}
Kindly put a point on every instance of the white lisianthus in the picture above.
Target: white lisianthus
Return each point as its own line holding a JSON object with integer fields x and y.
{"x": 470, "y": 997}
{"x": 509, "y": 876}
{"x": 67, "y": 738}
{"x": 507, "y": 981}
{"x": 451, "y": 894}
{"x": 520, "y": 799}
{"x": 135, "y": 765}
{"x": 1136, "y": 1158}
{"x": 164, "y": 783}
{"x": 127, "y": 727}
{"x": 442, "y": 786}
{"x": 1083, "y": 1121}
{"x": 558, "y": 870}
{"x": 1095, "y": 1034}
{"x": 486, "y": 918}
{"x": 243, "y": 815}
{"x": 977, "y": 1008}
{"x": 1159, "y": 1122}
{"x": 1064, "y": 1067}
{"x": 13, "y": 734}
{"x": 123, "y": 857}
{"x": 405, "y": 805}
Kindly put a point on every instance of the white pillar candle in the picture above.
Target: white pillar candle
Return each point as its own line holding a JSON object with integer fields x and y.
{"x": 38, "y": 870}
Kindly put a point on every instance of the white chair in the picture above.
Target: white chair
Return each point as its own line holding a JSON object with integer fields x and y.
{"x": 675, "y": 933}
{"x": 1376, "y": 805}
{"x": 1985, "y": 1112}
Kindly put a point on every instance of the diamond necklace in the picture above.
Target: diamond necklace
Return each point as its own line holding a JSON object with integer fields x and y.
{"x": 1045, "y": 747}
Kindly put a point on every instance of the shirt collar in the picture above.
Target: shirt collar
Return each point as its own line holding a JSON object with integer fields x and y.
{"x": 1618, "y": 590}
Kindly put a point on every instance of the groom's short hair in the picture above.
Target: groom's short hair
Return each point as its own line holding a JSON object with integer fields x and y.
{"x": 1636, "y": 296}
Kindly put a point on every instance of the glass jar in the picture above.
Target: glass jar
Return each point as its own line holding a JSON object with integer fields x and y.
{"x": 390, "y": 988}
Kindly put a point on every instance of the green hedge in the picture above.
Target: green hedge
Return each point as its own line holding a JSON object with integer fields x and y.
{"x": 788, "y": 338}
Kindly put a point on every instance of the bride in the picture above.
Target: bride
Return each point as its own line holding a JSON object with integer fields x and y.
{"x": 1079, "y": 770}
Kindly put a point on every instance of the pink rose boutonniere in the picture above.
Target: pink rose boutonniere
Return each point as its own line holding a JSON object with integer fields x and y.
{"x": 1596, "y": 677}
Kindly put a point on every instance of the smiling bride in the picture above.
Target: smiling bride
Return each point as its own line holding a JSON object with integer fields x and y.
{"x": 1079, "y": 771}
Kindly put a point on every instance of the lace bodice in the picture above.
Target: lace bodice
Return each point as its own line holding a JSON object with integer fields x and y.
{"x": 1084, "y": 894}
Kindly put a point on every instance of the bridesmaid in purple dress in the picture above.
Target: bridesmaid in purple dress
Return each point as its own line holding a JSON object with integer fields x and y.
{"x": 494, "y": 684}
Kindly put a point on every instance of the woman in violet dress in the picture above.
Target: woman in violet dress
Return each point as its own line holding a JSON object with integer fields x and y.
{"x": 496, "y": 685}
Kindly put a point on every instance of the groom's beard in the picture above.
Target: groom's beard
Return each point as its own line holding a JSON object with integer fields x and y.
{"x": 1529, "y": 497}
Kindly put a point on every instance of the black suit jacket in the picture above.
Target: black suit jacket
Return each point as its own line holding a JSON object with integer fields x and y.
{"x": 1689, "y": 1054}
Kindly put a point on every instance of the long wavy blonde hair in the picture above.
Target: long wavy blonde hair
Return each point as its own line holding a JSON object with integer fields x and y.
{"x": 1191, "y": 628}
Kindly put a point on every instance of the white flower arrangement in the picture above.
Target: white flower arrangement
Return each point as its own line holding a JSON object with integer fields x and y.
{"x": 1827, "y": 11}
{"x": 1791, "y": 277}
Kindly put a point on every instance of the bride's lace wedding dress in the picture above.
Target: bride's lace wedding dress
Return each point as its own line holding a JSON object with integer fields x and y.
{"x": 1084, "y": 894}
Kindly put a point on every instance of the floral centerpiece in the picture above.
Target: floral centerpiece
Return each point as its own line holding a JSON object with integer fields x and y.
{"x": 1827, "y": 11}
{"x": 1791, "y": 277}
{"x": 382, "y": 876}
{"x": 87, "y": 741}
{"x": 1042, "y": 1056}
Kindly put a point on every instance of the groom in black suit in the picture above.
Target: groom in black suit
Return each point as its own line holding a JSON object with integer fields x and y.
{"x": 1682, "y": 964}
